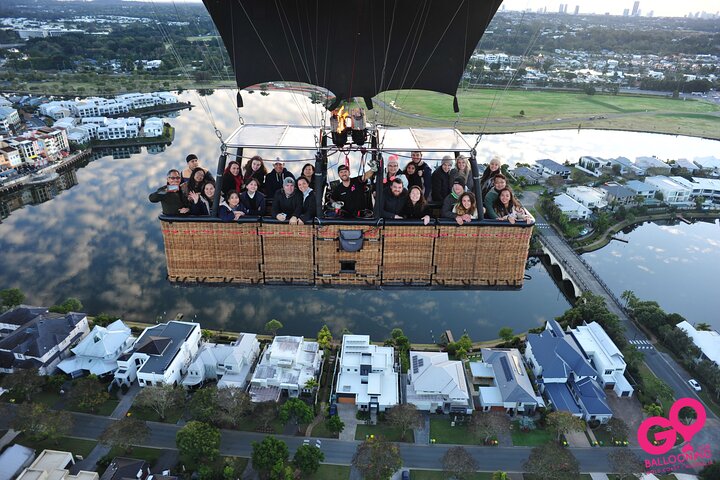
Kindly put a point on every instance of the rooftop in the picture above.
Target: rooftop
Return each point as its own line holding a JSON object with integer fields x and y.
{"x": 162, "y": 343}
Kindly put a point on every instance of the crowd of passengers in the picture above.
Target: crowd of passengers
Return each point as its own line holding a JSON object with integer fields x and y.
{"x": 407, "y": 192}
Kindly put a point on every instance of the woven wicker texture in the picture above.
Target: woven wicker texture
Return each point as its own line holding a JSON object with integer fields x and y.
{"x": 407, "y": 255}
{"x": 330, "y": 258}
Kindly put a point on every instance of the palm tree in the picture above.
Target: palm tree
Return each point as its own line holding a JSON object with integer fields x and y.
{"x": 629, "y": 297}
{"x": 702, "y": 326}
{"x": 500, "y": 475}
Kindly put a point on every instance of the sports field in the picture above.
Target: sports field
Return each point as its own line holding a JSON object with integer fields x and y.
{"x": 495, "y": 111}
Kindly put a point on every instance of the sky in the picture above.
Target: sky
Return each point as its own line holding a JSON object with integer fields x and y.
{"x": 667, "y": 8}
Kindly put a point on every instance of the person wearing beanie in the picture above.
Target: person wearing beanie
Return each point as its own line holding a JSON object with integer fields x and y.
{"x": 193, "y": 162}
{"x": 458, "y": 188}
{"x": 441, "y": 184}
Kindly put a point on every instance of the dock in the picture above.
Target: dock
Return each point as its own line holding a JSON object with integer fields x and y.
{"x": 683, "y": 219}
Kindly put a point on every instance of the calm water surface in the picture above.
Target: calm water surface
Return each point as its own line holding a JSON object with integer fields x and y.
{"x": 100, "y": 241}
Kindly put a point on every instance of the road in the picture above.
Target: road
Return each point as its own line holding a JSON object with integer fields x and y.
{"x": 661, "y": 364}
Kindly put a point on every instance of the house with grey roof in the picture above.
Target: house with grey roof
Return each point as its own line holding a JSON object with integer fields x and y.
{"x": 161, "y": 355}
{"x": 652, "y": 166}
{"x": 617, "y": 194}
{"x": 548, "y": 168}
{"x": 229, "y": 365}
{"x": 531, "y": 176}
{"x": 510, "y": 389}
{"x": 42, "y": 342}
{"x": 17, "y": 317}
{"x": 642, "y": 189}
{"x": 122, "y": 468}
{"x": 564, "y": 374}
{"x": 14, "y": 460}
{"x": 98, "y": 352}
{"x": 437, "y": 384}
{"x": 687, "y": 165}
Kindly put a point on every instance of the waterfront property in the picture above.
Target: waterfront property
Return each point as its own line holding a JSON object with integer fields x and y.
{"x": 672, "y": 191}
{"x": 17, "y": 317}
{"x": 564, "y": 375}
{"x": 504, "y": 383}
{"x": 707, "y": 341}
{"x": 367, "y": 377}
{"x": 548, "y": 168}
{"x": 285, "y": 366}
{"x": 437, "y": 384}
{"x": 571, "y": 207}
{"x": 161, "y": 355}
{"x": 589, "y": 196}
{"x": 229, "y": 365}
{"x": 617, "y": 194}
{"x": 98, "y": 352}
{"x": 642, "y": 189}
{"x": 42, "y": 342}
{"x": 652, "y": 165}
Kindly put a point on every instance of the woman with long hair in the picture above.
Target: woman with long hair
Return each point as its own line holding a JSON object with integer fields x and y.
{"x": 194, "y": 184}
{"x": 230, "y": 210}
{"x": 466, "y": 209}
{"x": 415, "y": 207}
{"x": 255, "y": 168}
{"x": 508, "y": 209}
{"x": 252, "y": 201}
{"x": 232, "y": 179}
{"x": 462, "y": 170}
{"x": 488, "y": 176}
{"x": 308, "y": 172}
{"x": 202, "y": 203}
{"x": 413, "y": 177}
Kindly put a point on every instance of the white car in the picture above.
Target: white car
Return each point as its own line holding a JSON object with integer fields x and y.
{"x": 694, "y": 384}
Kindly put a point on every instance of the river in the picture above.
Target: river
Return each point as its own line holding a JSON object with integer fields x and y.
{"x": 100, "y": 241}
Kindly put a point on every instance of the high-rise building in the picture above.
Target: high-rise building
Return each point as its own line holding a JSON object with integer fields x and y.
{"x": 636, "y": 7}
{"x": 626, "y": 12}
{"x": 577, "y": 9}
{"x": 560, "y": 9}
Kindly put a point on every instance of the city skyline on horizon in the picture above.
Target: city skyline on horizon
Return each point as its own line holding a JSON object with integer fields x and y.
{"x": 660, "y": 8}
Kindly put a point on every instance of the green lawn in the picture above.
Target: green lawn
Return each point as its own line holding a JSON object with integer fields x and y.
{"x": 320, "y": 430}
{"x": 389, "y": 433}
{"x": 150, "y": 455}
{"x": 331, "y": 472}
{"x": 104, "y": 410}
{"x": 149, "y": 415}
{"x": 440, "y": 475}
{"x": 531, "y": 438}
{"x": 251, "y": 424}
{"x": 76, "y": 446}
{"x": 603, "y": 436}
{"x": 442, "y": 432}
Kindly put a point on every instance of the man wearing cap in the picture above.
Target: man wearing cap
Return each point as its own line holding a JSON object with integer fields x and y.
{"x": 193, "y": 162}
{"x": 351, "y": 191}
{"x": 500, "y": 183}
{"x": 441, "y": 180}
{"x": 274, "y": 179}
{"x": 424, "y": 171}
{"x": 458, "y": 188}
{"x": 287, "y": 203}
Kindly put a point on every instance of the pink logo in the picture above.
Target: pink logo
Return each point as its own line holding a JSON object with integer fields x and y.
{"x": 665, "y": 440}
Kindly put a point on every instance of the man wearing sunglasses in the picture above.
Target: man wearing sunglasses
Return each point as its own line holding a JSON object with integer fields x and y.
{"x": 170, "y": 197}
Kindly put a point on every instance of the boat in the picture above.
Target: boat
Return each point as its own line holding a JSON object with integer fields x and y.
{"x": 375, "y": 47}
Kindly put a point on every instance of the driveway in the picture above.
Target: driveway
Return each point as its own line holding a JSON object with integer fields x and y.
{"x": 347, "y": 415}
{"x": 627, "y": 409}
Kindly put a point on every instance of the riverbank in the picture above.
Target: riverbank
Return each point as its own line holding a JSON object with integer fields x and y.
{"x": 165, "y": 139}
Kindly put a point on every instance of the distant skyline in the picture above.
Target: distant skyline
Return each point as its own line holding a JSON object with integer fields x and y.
{"x": 660, "y": 8}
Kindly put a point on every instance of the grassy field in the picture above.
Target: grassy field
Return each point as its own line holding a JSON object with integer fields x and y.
{"x": 331, "y": 472}
{"x": 149, "y": 415}
{"x": 442, "y": 432}
{"x": 76, "y": 446}
{"x": 498, "y": 111}
{"x": 532, "y": 438}
{"x": 389, "y": 433}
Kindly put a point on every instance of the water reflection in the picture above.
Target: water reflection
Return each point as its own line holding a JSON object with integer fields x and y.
{"x": 100, "y": 241}
{"x": 37, "y": 192}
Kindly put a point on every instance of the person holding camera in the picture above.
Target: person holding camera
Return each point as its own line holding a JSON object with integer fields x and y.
{"x": 170, "y": 197}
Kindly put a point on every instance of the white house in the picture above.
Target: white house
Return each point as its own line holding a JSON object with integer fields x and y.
{"x": 548, "y": 168}
{"x": 161, "y": 355}
{"x": 510, "y": 389}
{"x": 153, "y": 127}
{"x": 436, "y": 383}
{"x": 286, "y": 365}
{"x": 625, "y": 165}
{"x": 589, "y": 196}
{"x": 367, "y": 377}
{"x": 707, "y": 341}
{"x": 99, "y": 351}
{"x": 118, "y": 128}
{"x": 707, "y": 187}
{"x": 9, "y": 119}
{"x": 591, "y": 165}
{"x": 709, "y": 164}
{"x": 687, "y": 165}
{"x": 10, "y": 157}
{"x": 672, "y": 191}
{"x": 571, "y": 207}
{"x": 604, "y": 356}
{"x": 652, "y": 165}
{"x": 229, "y": 365}
{"x": 55, "y": 465}
{"x": 642, "y": 189}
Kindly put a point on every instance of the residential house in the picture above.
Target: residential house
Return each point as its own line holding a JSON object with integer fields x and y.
{"x": 9, "y": 120}
{"x": 161, "y": 355}
{"x": 687, "y": 165}
{"x": 509, "y": 389}
{"x": 98, "y": 353}
{"x": 367, "y": 375}
{"x": 591, "y": 197}
{"x": 55, "y": 465}
{"x": 17, "y": 317}
{"x": 437, "y": 384}
{"x": 548, "y": 168}
{"x": 707, "y": 187}
{"x": 707, "y": 341}
{"x": 229, "y": 365}
{"x": 153, "y": 127}
{"x": 118, "y": 128}
{"x": 10, "y": 157}
{"x": 591, "y": 165}
{"x": 564, "y": 375}
{"x": 14, "y": 460}
{"x": 531, "y": 176}
{"x": 285, "y": 366}
{"x": 625, "y": 166}
{"x": 642, "y": 189}
{"x": 672, "y": 191}
{"x": 122, "y": 468}
{"x": 652, "y": 166}
{"x": 42, "y": 342}
{"x": 29, "y": 148}
{"x": 604, "y": 356}
{"x": 617, "y": 194}
{"x": 709, "y": 164}
{"x": 571, "y": 207}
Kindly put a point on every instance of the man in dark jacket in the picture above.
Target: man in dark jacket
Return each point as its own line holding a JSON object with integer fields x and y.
{"x": 170, "y": 197}
{"x": 274, "y": 179}
{"x": 424, "y": 171}
{"x": 287, "y": 203}
{"x": 441, "y": 180}
{"x": 395, "y": 201}
{"x": 458, "y": 188}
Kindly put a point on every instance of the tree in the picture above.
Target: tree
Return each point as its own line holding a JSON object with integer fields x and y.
{"x": 458, "y": 463}
{"x": 268, "y": 453}
{"x": 311, "y": 384}
{"x": 550, "y": 462}
{"x": 204, "y": 404}
{"x": 12, "y": 297}
{"x": 125, "y": 433}
{"x": 104, "y": 319}
{"x": 307, "y": 458}
{"x": 234, "y": 405}
{"x": 617, "y": 428}
{"x": 377, "y": 459}
{"x": 160, "y": 398}
{"x": 699, "y": 200}
{"x": 335, "y": 425}
{"x": 38, "y": 422}
{"x": 404, "y": 416}
{"x": 324, "y": 337}
{"x": 500, "y": 475}
{"x": 488, "y": 424}
{"x": 297, "y": 410}
{"x": 70, "y": 305}
{"x": 198, "y": 443}
{"x": 88, "y": 394}
{"x": 522, "y": 113}
{"x": 703, "y": 327}
{"x": 626, "y": 464}
{"x": 629, "y": 297}
{"x": 265, "y": 413}
{"x": 564, "y": 422}
{"x": 555, "y": 181}
{"x": 280, "y": 471}
{"x": 506, "y": 333}
{"x": 273, "y": 326}
{"x": 24, "y": 383}
{"x": 653, "y": 410}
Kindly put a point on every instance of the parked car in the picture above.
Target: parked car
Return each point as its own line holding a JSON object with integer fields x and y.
{"x": 405, "y": 475}
{"x": 694, "y": 384}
